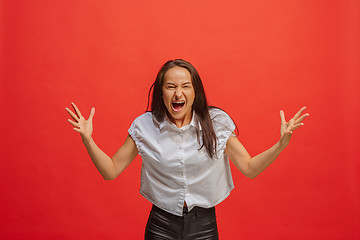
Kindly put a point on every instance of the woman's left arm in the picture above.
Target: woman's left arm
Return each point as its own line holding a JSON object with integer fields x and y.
{"x": 251, "y": 167}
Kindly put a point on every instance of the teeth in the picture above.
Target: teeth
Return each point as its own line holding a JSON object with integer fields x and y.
{"x": 179, "y": 102}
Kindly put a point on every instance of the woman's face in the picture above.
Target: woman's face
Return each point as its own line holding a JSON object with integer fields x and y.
{"x": 178, "y": 95}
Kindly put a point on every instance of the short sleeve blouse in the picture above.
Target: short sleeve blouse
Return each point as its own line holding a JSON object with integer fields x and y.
{"x": 175, "y": 169}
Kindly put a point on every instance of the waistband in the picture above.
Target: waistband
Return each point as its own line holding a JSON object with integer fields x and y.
{"x": 195, "y": 210}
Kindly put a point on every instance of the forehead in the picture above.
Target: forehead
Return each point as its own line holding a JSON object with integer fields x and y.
{"x": 177, "y": 75}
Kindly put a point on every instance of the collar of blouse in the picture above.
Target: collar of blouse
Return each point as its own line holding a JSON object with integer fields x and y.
{"x": 167, "y": 122}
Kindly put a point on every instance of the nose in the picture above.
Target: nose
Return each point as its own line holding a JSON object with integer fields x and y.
{"x": 178, "y": 93}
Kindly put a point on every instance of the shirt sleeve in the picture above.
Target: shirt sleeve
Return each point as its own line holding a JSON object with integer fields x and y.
{"x": 223, "y": 127}
{"x": 135, "y": 133}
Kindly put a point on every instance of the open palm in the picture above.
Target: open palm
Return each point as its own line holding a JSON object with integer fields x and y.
{"x": 81, "y": 125}
{"x": 287, "y": 128}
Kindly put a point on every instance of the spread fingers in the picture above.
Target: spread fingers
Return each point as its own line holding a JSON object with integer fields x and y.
{"x": 73, "y": 115}
{"x": 298, "y": 114}
{"x": 75, "y": 124}
{"x": 296, "y": 126}
{"x": 76, "y": 109}
{"x": 300, "y": 119}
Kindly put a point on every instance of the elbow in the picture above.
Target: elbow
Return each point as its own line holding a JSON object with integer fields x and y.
{"x": 109, "y": 177}
{"x": 110, "y": 174}
{"x": 251, "y": 174}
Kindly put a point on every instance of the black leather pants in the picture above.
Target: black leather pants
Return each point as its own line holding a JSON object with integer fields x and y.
{"x": 199, "y": 223}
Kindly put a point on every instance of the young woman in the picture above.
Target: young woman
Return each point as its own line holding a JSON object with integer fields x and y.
{"x": 185, "y": 147}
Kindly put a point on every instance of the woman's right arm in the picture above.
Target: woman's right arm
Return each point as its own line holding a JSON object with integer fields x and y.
{"x": 108, "y": 167}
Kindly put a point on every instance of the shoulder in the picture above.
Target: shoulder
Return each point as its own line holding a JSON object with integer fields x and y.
{"x": 223, "y": 126}
{"x": 144, "y": 120}
{"x": 221, "y": 119}
{"x": 143, "y": 127}
{"x": 144, "y": 117}
{"x": 218, "y": 114}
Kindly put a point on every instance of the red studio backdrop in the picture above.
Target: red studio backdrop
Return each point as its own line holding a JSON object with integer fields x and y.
{"x": 255, "y": 58}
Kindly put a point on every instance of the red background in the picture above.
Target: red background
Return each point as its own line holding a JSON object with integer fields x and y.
{"x": 255, "y": 58}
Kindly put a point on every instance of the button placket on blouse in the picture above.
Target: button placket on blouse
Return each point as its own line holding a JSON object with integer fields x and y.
{"x": 181, "y": 159}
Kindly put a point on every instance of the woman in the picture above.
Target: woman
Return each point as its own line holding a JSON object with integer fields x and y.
{"x": 185, "y": 146}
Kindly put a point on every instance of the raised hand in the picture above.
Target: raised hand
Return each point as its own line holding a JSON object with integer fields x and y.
{"x": 287, "y": 128}
{"x": 81, "y": 125}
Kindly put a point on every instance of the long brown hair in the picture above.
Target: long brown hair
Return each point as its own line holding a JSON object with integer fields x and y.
{"x": 200, "y": 105}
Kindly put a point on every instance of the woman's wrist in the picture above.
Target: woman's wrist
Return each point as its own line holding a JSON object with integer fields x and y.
{"x": 87, "y": 140}
{"x": 282, "y": 145}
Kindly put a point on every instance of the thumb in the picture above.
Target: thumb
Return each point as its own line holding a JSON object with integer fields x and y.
{"x": 92, "y": 113}
{"x": 282, "y": 116}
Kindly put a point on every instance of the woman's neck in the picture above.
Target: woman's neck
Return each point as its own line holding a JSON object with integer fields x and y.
{"x": 181, "y": 122}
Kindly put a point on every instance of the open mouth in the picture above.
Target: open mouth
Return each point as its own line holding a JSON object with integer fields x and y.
{"x": 178, "y": 105}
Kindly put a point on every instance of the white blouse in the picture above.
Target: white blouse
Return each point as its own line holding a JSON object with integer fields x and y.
{"x": 174, "y": 170}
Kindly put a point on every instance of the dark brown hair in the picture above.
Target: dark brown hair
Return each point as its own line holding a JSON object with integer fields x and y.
{"x": 200, "y": 105}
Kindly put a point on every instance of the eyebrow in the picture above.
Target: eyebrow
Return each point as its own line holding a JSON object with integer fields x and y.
{"x": 170, "y": 83}
{"x": 186, "y": 83}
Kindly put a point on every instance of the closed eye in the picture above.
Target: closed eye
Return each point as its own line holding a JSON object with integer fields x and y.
{"x": 170, "y": 86}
